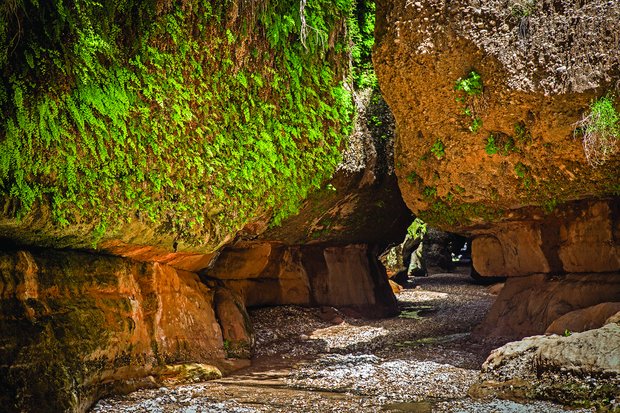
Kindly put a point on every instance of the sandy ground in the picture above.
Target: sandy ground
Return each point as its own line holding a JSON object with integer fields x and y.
{"x": 422, "y": 361}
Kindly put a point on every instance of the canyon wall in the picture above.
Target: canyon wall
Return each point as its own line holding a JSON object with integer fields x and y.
{"x": 487, "y": 98}
{"x": 492, "y": 102}
{"x": 77, "y": 325}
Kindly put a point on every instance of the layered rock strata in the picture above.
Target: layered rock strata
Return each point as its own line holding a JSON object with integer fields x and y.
{"x": 77, "y": 325}
{"x": 582, "y": 369}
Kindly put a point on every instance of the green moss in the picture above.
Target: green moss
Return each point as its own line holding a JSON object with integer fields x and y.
{"x": 182, "y": 115}
{"x": 442, "y": 213}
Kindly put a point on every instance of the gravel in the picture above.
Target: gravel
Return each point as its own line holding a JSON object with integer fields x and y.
{"x": 423, "y": 361}
{"x": 370, "y": 375}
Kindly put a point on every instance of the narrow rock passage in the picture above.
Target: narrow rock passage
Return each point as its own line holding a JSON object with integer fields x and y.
{"x": 321, "y": 360}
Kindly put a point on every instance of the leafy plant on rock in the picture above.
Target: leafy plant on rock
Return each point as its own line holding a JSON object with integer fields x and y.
{"x": 470, "y": 88}
{"x": 600, "y": 130}
{"x": 194, "y": 117}
{"x": 470, "y": 85}
{"x": 438, "y": 149}
{"x": 490, "y": 147}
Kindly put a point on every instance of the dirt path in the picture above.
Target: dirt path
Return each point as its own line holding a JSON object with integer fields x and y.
{"x": 319, "y": 360}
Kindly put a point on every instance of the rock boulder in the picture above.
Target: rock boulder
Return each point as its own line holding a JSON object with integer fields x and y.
{"x": 581, "y": 368}
{"x": 528, "y": 305}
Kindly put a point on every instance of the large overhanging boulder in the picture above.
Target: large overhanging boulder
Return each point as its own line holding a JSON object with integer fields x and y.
{"x": 488, "y": 99}
{"x": 172, "y": 125}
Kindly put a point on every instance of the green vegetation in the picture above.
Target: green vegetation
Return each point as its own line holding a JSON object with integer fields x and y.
{"x": 476, "y": 125}
{"x": 470, "y": 85}
{"x": 414, "y": 178}
{"x": 520, "y": 170}
{"x": 490, "y": 148}
{"x": 600, "y": 130}
{"x": 550, "y": 205}
{"x": 429, "y": 192}
{"x": 470, "y": 88}
{"x": 445, "y": 212}
{"x": 522, "y": 134}
{"x": 523, "y": 8}
{"x": 525, "y": 175}
{"x": 417, "y": 229}
{"x": 438, "y": 149}
{"x": 499, "y": 143}
{"x": 361, "y": 26}
{"x": 199, "y": 116}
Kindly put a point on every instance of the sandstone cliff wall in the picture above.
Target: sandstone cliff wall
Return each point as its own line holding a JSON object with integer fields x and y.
{"x": 75, "y": 325}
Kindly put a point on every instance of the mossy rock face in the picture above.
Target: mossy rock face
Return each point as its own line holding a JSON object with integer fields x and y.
{"x": 362, "y": 202}
{"x": 76, "y": 326}
{"x": 167, "y": 124}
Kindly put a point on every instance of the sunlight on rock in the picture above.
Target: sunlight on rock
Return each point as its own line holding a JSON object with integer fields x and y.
{"x": 345, "y": 335}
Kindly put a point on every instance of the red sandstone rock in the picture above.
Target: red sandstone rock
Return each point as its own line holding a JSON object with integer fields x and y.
{"x": 583, "y": 319}
{"x": 76, "y": 326}
{"x": 276, "y": 274}
{"x": 582, "y": 238}
{"x": 528, "y": 305}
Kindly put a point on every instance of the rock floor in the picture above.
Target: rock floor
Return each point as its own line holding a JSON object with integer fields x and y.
{"x": 320, "y": 360}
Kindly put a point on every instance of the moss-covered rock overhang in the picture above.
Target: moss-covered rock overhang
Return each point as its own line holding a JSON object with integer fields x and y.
{"x": 487, "y": 98}
{"x": 163, "y": 123}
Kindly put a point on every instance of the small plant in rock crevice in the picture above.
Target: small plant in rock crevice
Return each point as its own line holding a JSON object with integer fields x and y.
{"x": 470, "y": 88}
{"x": 490, "y": 148}
{"x": 476, "y": 125}
{"x": 520, "y": 170}
{"x": 500, "y": 143}
{"x": 600, "y": 130}
{"x": 471, "y": 85}
{"x": 522, "y": 134}
{"x": 417, "y": 229}
{"x": 438, "y": 149}
{"x": 522, "y": 9}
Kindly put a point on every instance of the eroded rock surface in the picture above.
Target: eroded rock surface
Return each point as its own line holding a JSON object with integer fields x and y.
{"x": 276, "y": 274}
{"x": 581, "y": 368}
{"x": 529, "y": 305}
{"x": 584, "y": 319}
{"x": 362, "y": 203}
{"x": 77, "y": 325}
{"x": 530, "y": 57}
{"x": 580, "y": 238}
